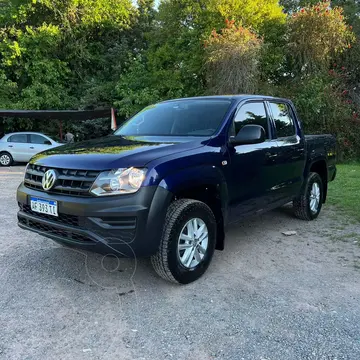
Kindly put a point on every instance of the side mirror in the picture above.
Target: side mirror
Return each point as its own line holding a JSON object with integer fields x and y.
{"x": 47, "y": 142}
{"x": 249, "y": 134}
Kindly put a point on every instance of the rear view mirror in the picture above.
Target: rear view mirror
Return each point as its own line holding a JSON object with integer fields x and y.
{"x": 47, "y": 142}
{"x": 249, "y": 134}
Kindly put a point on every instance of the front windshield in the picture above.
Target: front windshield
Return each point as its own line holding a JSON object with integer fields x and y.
{"x": 193, "y": 117}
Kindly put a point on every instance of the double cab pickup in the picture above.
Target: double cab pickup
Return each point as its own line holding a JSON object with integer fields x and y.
{"x": 168, "y": 182}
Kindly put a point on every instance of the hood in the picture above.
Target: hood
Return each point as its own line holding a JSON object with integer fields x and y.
{"x": 114, "y": 152}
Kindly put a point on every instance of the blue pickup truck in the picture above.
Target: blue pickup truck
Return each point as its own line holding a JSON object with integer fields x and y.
{"x": 170, "y": 179}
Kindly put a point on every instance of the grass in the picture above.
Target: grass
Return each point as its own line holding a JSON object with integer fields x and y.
{"x": 346, "y": 237}
{"x": 344, "y": 191}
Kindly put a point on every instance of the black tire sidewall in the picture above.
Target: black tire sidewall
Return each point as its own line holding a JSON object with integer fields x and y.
{"x": 314, "y": 178}
{"x": 181, "y": 274}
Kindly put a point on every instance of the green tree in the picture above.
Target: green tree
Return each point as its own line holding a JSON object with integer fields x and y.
{"x": 315, "y": 77}
{"x": 174, "y": 63}
{"x": 63, "y": 54}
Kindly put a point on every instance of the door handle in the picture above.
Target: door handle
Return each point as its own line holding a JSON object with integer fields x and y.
{"x": 31, "y": 147}
{"x": 10, "y": 146}
{"x": 270, "y": 155}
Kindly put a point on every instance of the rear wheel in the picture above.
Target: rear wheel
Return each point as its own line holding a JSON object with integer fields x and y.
{"x": 5, "y": 159}
{"x": 188, "y": 242}
{"x": 308, "y": 204}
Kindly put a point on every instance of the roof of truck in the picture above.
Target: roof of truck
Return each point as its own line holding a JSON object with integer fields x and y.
{"x": 231, "y": 97}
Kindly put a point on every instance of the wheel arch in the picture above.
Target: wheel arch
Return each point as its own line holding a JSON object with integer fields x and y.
{"x": 206, "y": 184}
{"x": 320, "y": 167}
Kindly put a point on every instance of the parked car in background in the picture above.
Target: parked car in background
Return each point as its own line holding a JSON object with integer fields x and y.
{"x": 22, "y": 146}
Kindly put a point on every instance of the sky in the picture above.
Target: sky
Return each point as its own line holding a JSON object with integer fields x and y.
{"x": 156, "y": 2}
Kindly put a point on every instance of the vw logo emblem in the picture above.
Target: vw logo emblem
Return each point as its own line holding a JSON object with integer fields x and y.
{"x": 48, "y": 180}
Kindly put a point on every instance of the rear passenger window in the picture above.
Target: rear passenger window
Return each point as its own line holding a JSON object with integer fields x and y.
{"x": 38, "y": 139}
{"x": 251, "y": 113}
{"x": 18, "y": 138}
{"x": 283, "y": 121}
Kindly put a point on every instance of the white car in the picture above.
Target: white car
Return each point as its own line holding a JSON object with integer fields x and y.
{"x": 21, "y": 146}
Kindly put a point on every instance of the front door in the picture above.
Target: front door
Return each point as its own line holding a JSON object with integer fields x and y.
{"x": 18, "y": 147}
{"x": 250, "y": 172}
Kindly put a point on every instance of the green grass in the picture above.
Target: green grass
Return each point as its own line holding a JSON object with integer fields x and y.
{"x": 344, "y": 191}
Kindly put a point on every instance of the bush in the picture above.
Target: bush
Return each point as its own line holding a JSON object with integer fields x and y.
{"x": 233, "y": 58}
{"x": 324, "y": 107}
{"x": 316, "y": 34}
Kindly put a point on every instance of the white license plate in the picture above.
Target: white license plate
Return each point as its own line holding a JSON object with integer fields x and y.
{"x": 42, "y": 206}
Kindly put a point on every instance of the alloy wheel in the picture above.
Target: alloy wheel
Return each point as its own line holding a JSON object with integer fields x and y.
{"x": 193, "y": 243}
{"x": 315, "y": 197}
{"x": 5, "y": 160}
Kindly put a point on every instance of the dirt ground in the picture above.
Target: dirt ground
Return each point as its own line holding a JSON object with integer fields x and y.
{"x": 265, "y": 297}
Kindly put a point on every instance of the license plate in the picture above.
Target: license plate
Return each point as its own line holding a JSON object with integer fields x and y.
{"x": 48, "y": 207}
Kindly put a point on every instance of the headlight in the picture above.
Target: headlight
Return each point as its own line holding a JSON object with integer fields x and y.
{"x": 120, "y": 181}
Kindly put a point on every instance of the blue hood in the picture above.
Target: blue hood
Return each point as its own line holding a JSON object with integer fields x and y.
{"x": 114, "y": 152}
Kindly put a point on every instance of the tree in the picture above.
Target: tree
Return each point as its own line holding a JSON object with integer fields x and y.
{"x": 174, "y": 63}
{"x": 233, "y": 60}
{"x": 316, "y": 35}
{"x": 63, "y": 54}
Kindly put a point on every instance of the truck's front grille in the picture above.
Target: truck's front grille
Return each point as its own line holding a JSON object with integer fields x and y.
{"x": 69, "y": 182}
{"x": 65, "y": 219}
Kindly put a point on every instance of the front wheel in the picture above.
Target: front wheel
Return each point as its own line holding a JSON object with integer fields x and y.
{"x": 188, "y": 242}
{"x": 308, "y": 204}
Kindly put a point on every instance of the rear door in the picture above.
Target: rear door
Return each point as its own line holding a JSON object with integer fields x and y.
{"x": 290, "y": 159}
{"x": 38, "y": 143}
{"x": 18, "y": 147}
{"x": 250, "y": 172}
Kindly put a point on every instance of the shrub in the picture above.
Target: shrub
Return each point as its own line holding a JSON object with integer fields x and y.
{"x": 233, "y": 60}
{"x": 325, "y": 108}
{"x": 316, "y": 34}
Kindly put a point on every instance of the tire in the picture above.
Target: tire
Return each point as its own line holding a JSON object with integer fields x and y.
{"x": 302, "y": 204}
{"x": 168, "y": 262}
{"x": 6, "y": 159}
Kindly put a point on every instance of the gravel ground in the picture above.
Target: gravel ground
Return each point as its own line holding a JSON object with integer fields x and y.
{"x": 266, "y": 297}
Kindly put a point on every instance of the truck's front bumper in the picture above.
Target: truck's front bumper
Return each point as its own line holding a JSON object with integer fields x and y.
{"x": 125, "y": 225}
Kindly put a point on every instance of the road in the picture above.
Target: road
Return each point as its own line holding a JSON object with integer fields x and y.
{"x": 265, "y": 297}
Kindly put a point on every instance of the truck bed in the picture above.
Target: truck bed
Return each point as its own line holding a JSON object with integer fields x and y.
{"x": 325, "y": 146}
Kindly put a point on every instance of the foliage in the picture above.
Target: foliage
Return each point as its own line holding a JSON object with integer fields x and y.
{"x": 89, "y": 54}
{"x": 233, "y": 60}
{"x": 67, "y": 13}
{"x": 324, "y": 107}
{"x": 351, "y": 12}
{"x": 62, "y": 54}
{"x": 291, "y": 6}
{"x": 89, "y": 129}
{"x": 316, "y": 34}
{"x": 203, "y": 15}
{"x": 173, "y": 65}
{"x": 136, "y": 89}
{"x": 318, "y": 77}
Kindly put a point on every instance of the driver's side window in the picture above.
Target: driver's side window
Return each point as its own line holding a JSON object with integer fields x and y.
{"x": 253, "y": 113}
